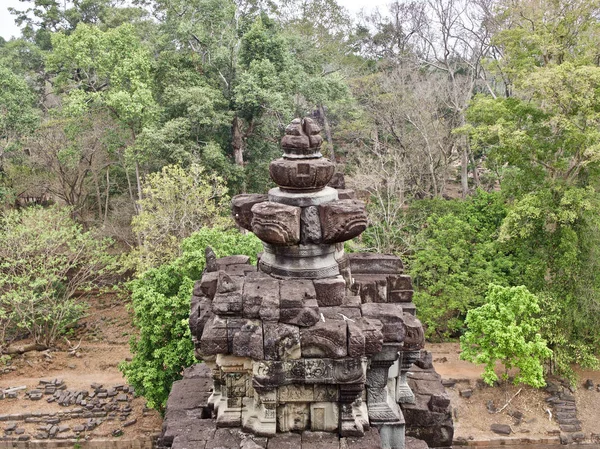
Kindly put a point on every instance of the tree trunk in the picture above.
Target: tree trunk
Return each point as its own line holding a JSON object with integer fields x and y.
{"x": 476, "y": 180}
{"x": 138, "y": 180}
{"x": 237, "y": 141}
{"x": 327, "y": 132}
{"x": 130, "y": 189}
{"x": 98, "y": 197}
{"x": 107, "y": 195}
{"x": 464, "y": 172}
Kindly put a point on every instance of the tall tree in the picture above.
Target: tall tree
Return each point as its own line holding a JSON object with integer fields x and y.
{"x": 107, "y": 69}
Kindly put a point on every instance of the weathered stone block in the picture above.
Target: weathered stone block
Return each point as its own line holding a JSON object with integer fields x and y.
{"x": 340, "y": 313}
{"x": 295, "y": 371}
{"x": 248, "y": 341}
{"x": 330, "y": 291}
{"x": 268, "y": 374}
{"x": 346, "y": 194}
{"x": 303, "y": 316}
{"x": 227, "y": 283}
{"x": 223, "y": 263}
{"x": 227, "y": 304}
{"x": 391, "y": 316}
{"x": 399, "y": 282}
{"x": 324, "y": 417}
{"x": 310, "y": 225}
{"x": 415, "y": 337}
{"x": 294, "y": 293}
{"x": 364, "y": 337}
{"x": 208, "y": 284}
{"x": 278, "y": 224}
{"x": 352, "y": 301}
{"x": 225, "y": 438}
{"x": 370, "y": 288}
{"x": 348, "y": 371}
{"x": 293, "y": 416}
{"x": 337, "y": 181}
{"x": 295, "y": 393}
{"x": 281, "y": 341}
{"x": 259, "y": 291}
{"x": 371, "y": 263}
{"x": 370, "y": 440}
{"x": 342, "y": 220}
{"x": 400, "y": 296}
{"x": 201, "y": 312}
{"x": 326, "y": 393}
{"x": 214, "y": 337}
{"x": 234, "y": 325}
{"x": 410, "y": 308}
{"x": 241, "y": 208}
{"x": 285, "y": 441}
{"x": 240, "y": 269}
{"x": 269, "y": 309}
{"x": 439, "y": 403}
{"x": 324, "y": 339}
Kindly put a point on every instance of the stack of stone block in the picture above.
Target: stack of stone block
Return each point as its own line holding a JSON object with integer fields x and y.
{"x": 311, "y": 339}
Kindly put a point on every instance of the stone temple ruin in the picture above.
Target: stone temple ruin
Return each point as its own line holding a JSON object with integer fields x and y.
{"x": 313, "y": 340}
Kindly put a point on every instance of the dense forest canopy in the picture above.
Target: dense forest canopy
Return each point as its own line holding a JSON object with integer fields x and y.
{"x": 470, "y": 127}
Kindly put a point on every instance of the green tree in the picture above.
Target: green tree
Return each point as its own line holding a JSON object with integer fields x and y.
{"x": 45, "y": 259}
{"x": 18, "y": 117}
{"x": 176, "y": 203}
{"x": 110, "y": 70}
{"x": 506, "y": 329}
{"x": 161, "y": 305}
{"x": 456, "y": 255}
{"x": 543, "y": 143}
{"x": 254, "y": 74}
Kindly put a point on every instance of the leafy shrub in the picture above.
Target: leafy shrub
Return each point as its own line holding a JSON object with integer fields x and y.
{"x": 176, "y": 203}
{"x": 46, "y": 260}
{"x": 161, "y": 305}
{"x": 456, "y": 255}
{"x": 507, "y": 329}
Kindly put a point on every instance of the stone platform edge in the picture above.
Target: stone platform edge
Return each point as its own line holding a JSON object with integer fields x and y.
{"x": 142, "y": 442}
{"x": 519, "y": 441}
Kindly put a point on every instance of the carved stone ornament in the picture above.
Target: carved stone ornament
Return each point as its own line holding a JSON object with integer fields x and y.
{"x": 342, "y": 220}
{"x": 277, "y": 224}
{"x": 241, "y": 208}
{"x": 301, "y": 175}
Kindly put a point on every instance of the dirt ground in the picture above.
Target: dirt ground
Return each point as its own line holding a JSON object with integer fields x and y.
{"x": 472, "y": 419}
{"x": 105, "y": 334}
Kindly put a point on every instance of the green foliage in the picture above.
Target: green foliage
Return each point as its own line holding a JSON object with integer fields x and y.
{"x": 46, "y": 260}
{"x": 456, "y": 256}
{"x": 506, "y": 329}
{"x": 18, "y": 116}
{"x": 161, "y": 305}
{"x": 110, "y": 69}
{"x": 176, "y": 203}
{"x": 555, "y": 234}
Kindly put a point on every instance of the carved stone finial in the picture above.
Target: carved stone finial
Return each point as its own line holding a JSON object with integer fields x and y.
{"x": 302, "y": 139}
{"x": 211, "y": 259}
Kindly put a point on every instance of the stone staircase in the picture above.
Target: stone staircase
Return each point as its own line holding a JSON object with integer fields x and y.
{"x": 564, "y": 411}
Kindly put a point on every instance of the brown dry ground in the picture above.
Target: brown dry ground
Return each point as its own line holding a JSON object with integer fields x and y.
{"x": 472, "y": 419}
{"x": 104, "y": 335}
{"x": 106, "y": 331}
